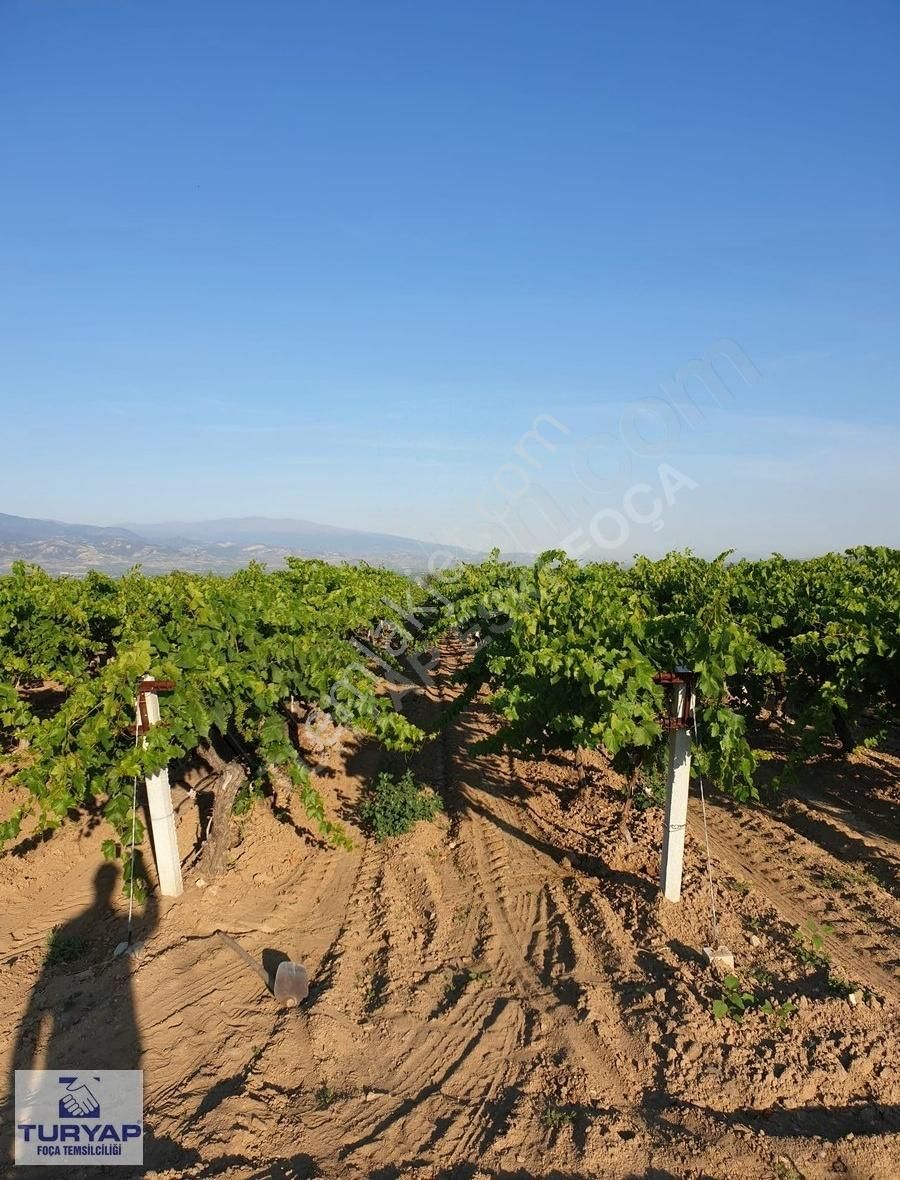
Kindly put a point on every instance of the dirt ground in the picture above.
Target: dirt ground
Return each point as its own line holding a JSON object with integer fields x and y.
{"x": 499, "y": 994}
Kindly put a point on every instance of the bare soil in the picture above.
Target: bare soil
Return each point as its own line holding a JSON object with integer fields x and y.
{"x": 500, "y": 994}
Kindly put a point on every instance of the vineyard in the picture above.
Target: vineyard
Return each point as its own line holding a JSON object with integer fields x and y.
{"x": 568, "y": 652}
{"x": 243, "y": 653}
{"x": 519, "y": 919}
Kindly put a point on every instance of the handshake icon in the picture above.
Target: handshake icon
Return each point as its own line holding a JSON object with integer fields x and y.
{"x": 78, "y": 1102}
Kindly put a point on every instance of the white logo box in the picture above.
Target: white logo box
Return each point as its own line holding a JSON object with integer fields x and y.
{"x": 78, "y": 1117}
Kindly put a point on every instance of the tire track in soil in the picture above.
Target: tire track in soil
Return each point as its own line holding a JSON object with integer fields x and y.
{"x": 805, "y": 806}
{"x": 448, "y": 1057}
{"x": 536, "y": 945}
{"x": 452, "y": 1062}
{"x": 546, "y": 956}
{"x": 69, "y": 895}
{"x": 845, "y": 837}
{"x": 540, "y": 943}
{"x": 862, "y": 945}
{"x": 360, "y": 938}
{"x": 186, "y": 977}
{"x": 446, "y": 1045}
{"x": 467, "y": 1050}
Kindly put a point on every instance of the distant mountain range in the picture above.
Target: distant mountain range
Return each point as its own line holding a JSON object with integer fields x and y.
{"x": 208, "y": 545}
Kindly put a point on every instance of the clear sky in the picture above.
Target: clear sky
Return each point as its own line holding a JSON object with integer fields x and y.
{"x": 330, "y": 260}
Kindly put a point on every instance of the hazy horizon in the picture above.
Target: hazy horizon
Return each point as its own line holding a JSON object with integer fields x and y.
{"x": 156, "y": 535}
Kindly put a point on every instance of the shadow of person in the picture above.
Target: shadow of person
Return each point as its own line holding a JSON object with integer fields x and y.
{"x": 81, "y": 1012}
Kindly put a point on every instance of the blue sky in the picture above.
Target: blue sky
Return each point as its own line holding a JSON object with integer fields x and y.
{"x": 331, "y": 260}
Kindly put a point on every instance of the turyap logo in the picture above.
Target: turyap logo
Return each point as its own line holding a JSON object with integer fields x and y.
{"x": 72, "y": 1118}
{"x": 78, "y": 1102}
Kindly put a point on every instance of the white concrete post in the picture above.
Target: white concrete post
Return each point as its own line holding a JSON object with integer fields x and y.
{"x": 679, "y": 775}
{"x": 162, "y": 817}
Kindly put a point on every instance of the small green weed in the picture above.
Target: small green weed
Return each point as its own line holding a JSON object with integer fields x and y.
{"x": 841, "y": 987}
{"x": 738, "y": 885}
{"x": 785, "y": 1170}
{"x": 781, "y": 1012}
{"x": 325, "y": 1096}
{"x": 555, "y": 1117}
{"x": 841, "y": 879}
{"x": 651, "y": 793}
{"x": 475, "y": 976}
{"x": 735, "y": 1003}
{"x": 862, "y": 878}
{"x": 393, "y": 806}
{"x": 810, "y": 942}
{"x": 458, "y": 982}
{"x": 62, "y": 948}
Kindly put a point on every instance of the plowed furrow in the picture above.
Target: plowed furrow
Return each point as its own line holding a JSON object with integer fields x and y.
{"x": 597, "y": 1060}
{"x": 752, "y": 849}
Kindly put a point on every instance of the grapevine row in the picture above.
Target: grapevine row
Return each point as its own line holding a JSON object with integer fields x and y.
{"x": 243, "y": 652}
{"x": 567, "y": 652}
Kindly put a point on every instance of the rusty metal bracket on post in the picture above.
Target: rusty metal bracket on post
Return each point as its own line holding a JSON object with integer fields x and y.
{"x": 680, "y": 677}
{"x": 145, "y": 686}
